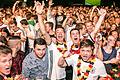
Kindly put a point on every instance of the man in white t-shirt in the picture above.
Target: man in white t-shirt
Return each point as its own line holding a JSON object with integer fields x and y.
{"x": 56, "y": 49}
{"x": 85, "y": 65}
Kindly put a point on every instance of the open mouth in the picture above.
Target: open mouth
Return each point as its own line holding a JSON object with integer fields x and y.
{"x": 85, "y": 57}
{"x": 75, "y": 38}
{"x": 60, "y": 36}
{"x": 7, "y": 70}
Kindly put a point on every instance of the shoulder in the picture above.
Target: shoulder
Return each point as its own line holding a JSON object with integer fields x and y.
{"x": 73, "y": 57}
{"x": 52, "y": 44}
{"x": 29, "y": 57}
{"x": 114, "y": 49}
{"x": 98, "y": 62}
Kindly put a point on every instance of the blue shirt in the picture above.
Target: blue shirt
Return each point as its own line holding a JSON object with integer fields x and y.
{"x": 33, "y": 67}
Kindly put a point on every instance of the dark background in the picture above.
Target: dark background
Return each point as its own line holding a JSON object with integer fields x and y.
{"x": 9, "y": 3}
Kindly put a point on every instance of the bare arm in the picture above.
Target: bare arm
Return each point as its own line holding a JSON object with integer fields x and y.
{"x": 91, "y": 14}
{"x": 113, "y": 61}
{"x": 39, "y": 9}
{"x": 65, "y": 22}
{"x": 98, "y": 24}
{"x": 49, "y": 8}
{"x": 14, "y": 6}
{"x": 99, "y": 53}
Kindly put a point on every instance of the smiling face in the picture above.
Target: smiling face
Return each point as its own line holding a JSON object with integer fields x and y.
{"x": 113, "y": 27}
{"x": 70, "y": 21}
{"x": 86, "y": 53}
{"x": 111, "y": 41}
{"x": 115, "y": 34}
{"x": 89, "y": 26}
{"x": 75, "y": 36}
{"x": 40, "y": 50}
{"x": 60, "y": 35}
{"x": 47, "y": 27}
{"x": 5, "y": 63}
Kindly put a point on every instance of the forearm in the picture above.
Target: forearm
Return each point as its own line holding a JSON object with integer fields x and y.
{"x": 64, "y": 22}
{"x": 99, "y": 53}
{"x": 91, "y": 14}
{"x": 42, "y": 28}
{"x": 112, "y": 61}
{"x": 14, "y": 6}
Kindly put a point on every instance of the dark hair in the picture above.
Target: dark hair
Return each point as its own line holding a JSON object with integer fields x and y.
{"x": 39, "y": 41}
{"x": 6, "y": 30}
{"x": 74, "y": 29}
{"x": 80, "y": 25}
{"x": 86, "y": 43}
{"x": 118, "y": 39}
{"x": 60, "y": 26}
{"x": 28, "y": 15}
{"x": 13, "y": 21}
{"x": 112, "y": 32}
{"x": 24, "y": 22}
{"x": 5, "y": 49}
{"x": 7, "y": 16}
{"x": 3, "y": 40}
{"x": 50, "y": 24}
{"x": 14, "y": 37}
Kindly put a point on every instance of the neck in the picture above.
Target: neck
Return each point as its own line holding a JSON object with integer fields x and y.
{"x": 50, "y": 32}
{"x": 89, "y": 60}
{"x": 109, "y": 47}
{"x": 76, "y": 43}
{"x": 14, "y": 52}
{"x": 60, "y": 41}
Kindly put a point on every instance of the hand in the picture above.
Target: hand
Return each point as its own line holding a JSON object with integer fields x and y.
{"x": 23, "y": 38}
{"x": 61, "y": 61}
{"x": 20, "y": 77}
{"x": 114, "y": 60}
{"x": 17, "y": 2}
{"x": 94, "y": 7}
{"x": 50, "y": 3}
{"x": 77, "y": 13}
{"x": 39, "y": 7}
{"x": 102, "y": 12}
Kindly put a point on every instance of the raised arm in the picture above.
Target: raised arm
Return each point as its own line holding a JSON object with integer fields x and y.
{"x": 102, "y": 13}
{"x": 91, "y": 14}
{"x": 65, "y": 22}
{"x": 49, "y": 9}
{"x": 14, "y": 6}
{"x": 39, "y": 10}
{"x": 99, "y": 54}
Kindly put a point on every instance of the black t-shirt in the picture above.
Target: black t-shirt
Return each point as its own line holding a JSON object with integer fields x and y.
{"x": 60, "y": 19}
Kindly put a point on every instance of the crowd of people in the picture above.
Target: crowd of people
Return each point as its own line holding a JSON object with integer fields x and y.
{"x": 59, "y": 43}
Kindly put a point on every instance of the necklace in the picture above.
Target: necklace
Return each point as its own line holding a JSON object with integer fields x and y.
{"x": 75, "y": 49}
{"x": 62, "y": 48}
{"x": 89, "y": 68}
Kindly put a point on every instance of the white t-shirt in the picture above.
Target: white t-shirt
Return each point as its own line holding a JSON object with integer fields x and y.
{"x": 57, "y": 72}
{"x": 97, "y": 70}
